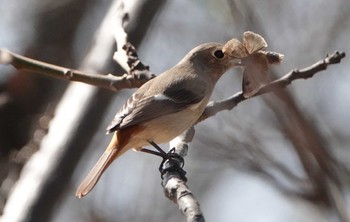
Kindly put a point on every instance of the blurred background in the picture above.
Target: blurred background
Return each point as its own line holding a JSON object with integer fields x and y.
{"x": 278, "y": 157}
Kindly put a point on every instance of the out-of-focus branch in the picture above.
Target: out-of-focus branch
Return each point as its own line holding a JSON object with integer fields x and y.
{"x": 229, "y": 103}
{"x": 322, "y": 170}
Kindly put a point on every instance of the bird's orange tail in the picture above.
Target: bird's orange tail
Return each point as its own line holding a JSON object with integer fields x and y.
{"x": 102, "y": 164}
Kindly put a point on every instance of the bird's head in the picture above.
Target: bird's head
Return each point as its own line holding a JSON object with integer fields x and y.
{"x": 210, "y": 59}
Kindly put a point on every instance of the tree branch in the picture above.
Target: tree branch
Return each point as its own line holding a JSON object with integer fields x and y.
{"x": 174, "y": 180}
{"x": 229, "y": 103}
{"x": 133, "y": 80}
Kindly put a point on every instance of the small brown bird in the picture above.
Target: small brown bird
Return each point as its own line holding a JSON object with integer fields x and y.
{"x": 164, "y": 107}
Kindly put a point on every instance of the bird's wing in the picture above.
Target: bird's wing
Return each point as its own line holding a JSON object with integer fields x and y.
{"x": 140, "y": 107}
{"x": 253, "y": 42}
{"x": 255, "y": 74}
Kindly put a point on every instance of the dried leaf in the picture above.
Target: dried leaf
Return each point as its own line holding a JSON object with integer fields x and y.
{"x": 255, "y": 74}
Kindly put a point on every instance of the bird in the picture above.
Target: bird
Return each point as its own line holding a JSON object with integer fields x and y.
{"x": 164, "y": 107}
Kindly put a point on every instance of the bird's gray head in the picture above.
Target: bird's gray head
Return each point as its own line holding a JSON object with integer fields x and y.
{"x": 209, "y": 58}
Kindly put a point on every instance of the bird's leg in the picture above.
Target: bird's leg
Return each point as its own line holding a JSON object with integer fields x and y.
{"x": 151, "y": 152}
{"x": 161, "y": 152}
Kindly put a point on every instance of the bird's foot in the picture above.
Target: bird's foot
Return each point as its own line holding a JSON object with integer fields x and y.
{"x": 171, "y": 163}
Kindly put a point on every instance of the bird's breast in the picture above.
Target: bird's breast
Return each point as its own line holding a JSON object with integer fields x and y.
{"x": 167, "y": 127}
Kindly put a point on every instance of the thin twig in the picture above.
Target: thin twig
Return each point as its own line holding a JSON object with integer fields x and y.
{"x": 109, "y": 81}
{"x": 229, "y": 103}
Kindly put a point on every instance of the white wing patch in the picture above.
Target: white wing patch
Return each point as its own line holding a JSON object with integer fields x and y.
{"x": 161, "y": 97}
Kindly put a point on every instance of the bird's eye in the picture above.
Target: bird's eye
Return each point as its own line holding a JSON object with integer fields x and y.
{"x": 219, "y": 54}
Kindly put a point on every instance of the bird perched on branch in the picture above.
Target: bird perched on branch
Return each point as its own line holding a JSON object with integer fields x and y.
{"x": 164, "y": 107}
